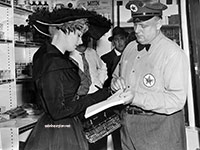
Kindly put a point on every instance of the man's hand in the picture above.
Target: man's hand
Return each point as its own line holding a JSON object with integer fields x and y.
{"x": 118, "y": 83}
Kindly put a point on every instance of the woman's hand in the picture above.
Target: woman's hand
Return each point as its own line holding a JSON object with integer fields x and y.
{"x": 127, "y": 96}
{"x": 122, "y": 95}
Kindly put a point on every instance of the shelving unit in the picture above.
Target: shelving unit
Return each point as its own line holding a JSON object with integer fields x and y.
{"x": 9, "y": 138}
{"x": 7, "y": 58}
{"x": 172, "y": 31}
{"x": 12, "y": 52}
{"x": 5, "y": 4}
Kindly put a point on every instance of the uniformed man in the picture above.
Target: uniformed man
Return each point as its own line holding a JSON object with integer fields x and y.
{"x": 155, "y": 69}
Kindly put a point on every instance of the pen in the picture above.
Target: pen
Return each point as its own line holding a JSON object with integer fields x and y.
{"x": 97, "y": 87}
{"x": 126, "y": 89}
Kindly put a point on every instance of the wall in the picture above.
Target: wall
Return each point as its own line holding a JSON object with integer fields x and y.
{"x": 192, "y": 138}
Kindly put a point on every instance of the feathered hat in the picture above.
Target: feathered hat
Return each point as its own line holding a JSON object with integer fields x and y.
{"x": 42, "y": 19}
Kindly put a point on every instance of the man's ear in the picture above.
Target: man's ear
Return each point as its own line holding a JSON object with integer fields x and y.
{"x": 159, "y": 24}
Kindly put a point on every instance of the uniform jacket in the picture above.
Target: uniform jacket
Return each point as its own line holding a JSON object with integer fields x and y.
{"x": 159, "y": 80}
{"x": 57, "y": 80}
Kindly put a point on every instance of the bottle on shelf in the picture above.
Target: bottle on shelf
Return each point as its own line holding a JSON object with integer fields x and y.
{"x": 15, "y": 2}
{"x": 1, "y": 31}
{"x": 8, "y": 1}
{"x": 20, "y": 3}
{"x": 3, "y": 0}
{"x": 29, "y": 35}
{"x": 5, "y": 74}
{"x": 22, "y": 33}
{"x": 27, "y": 4}
{"x": 16, "y": 32}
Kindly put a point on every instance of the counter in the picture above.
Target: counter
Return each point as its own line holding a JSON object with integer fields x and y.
{"x": 10, "y": 131}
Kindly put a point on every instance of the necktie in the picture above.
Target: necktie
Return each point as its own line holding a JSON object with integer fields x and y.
{"x": 142, "y": 46}
{"x": 85, "y": 83}
{"x": 86, "y": 67}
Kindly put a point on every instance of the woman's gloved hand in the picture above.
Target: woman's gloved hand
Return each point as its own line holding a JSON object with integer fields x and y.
{"x": 127, "y": 97}
{"x": 123, "y": 96}
{"x": 101, "y": 94}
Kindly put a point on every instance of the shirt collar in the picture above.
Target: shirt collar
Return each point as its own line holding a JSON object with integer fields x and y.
{"x": 155, "y": 41}
{"x": 117, "y": 52}
{"x": 157, "y": 38}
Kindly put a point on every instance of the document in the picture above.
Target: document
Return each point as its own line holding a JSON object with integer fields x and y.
{"x": 113, "y": 100}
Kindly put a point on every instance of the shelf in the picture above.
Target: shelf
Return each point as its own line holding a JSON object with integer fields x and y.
{"x": 5, "y": 81}
{"x": 4, "y": 4}
{"x": 22, "y": 11}
{"x": 25, "y": 79}
{"x": 4, "y": 41}
{"x": 22, "y": 123}
{"x": 26, "y": 44}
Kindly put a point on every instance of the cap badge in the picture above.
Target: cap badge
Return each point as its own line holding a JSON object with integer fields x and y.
{"x": 149, "y": 80}
{"x": 133, "y": 8}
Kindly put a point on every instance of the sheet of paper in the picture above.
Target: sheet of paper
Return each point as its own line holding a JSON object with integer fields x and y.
{"x": 96, "y": 108}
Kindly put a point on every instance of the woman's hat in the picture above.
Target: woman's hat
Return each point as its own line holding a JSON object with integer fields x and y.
{"x": 117, "y": 31}
{"x": 42, "y": 19}
{"x": 142, "y": 10}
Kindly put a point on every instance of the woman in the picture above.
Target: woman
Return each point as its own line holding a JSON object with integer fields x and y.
{"x": 57, "y": 81}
